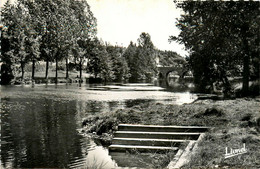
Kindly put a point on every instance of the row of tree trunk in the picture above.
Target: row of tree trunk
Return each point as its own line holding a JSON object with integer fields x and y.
{"x": 47, "y": 70}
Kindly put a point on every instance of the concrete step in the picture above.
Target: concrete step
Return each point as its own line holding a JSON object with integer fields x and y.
{"x": 147, "y": 142}
{"x": 152, "y": 138}
{"x": 155, "y": 128}
{"x": 157, "y": 149}
{"x": 157, "y": 135}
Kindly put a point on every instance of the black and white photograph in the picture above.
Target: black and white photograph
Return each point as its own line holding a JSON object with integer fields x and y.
{"x": 134, "y": 84}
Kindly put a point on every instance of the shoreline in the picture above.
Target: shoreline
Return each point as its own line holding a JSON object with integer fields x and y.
{"x": 234, "y": 122}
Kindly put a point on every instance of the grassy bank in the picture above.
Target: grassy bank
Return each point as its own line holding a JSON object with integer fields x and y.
{"x": 40, "y": 77}
{"x": 39, "y": 74}
{"x": 234, "y": 122}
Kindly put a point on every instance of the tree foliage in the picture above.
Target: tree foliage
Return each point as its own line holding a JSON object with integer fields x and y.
{"x": 18, "y": 33}
{"x": 141, "y": 59}
{"x": 47, "y": 30}
{"x": 99, "y": 63}
{"x": 170, "y": 58}
{"x": 119, "y": 65}
{"x": 222, "y": 38}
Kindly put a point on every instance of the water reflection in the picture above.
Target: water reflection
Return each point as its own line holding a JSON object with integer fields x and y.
{"x": 141, "y": 160}
{"x": 34, "y": 132}
{"x": 176, "y": 84}
{"x": 39, "y": 125}
{"x": 132, "y": 160}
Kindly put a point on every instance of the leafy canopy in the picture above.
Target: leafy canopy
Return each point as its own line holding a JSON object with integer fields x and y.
{"x": 222, "y": 38}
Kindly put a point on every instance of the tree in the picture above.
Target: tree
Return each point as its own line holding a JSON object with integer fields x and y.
{"x": 33, "y": 36}
{"x": 170, "y": 58}
{"x": 141, "y": 59}
{"x": 6, "y": 67}
{"x": 64, "y": 33}
{"x": 100, "y": 63}
{"x": 39, "y": 38}
{"x": 79, "y": 53}
{"x": 57, "y": 29}
{"x": 16, "y": 21}
{"x": 131, "y": 56}
{"x": 85, "y": 30}
{"x": 220, "y": 36}
{"x": 146, "y": 56}
{"x": 119, "y": 64}
{"x": 145, "y": 41}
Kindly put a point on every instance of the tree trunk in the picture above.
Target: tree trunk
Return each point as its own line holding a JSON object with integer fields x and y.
{"x": 246, "y": 74}
{"x": 80, "y": 70}
{"x": 56, "y": 71}
{"x": 47, "y": 68}
{"x": 227, "y": 86}
{"x": 246, "y": 59}
{"x": 258, "y": 78}
{"x": 22, "y": 67}
{"x": 67, "y": 69}
{"x": 33, "y": 68}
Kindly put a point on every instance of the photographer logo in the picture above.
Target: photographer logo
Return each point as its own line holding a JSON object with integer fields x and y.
{"x": 234, "y": 152}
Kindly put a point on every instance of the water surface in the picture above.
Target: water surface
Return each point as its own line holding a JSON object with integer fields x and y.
{"x": 40, "y": 124}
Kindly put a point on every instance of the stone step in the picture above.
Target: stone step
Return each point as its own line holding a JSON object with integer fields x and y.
{"x": 155, "y": 128}
{"x": 157, "y": 149}
{"x": 157, "y": 135}
{"x": 147, "y": 142}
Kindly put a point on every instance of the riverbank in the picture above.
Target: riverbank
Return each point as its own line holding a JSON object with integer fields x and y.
{"x": 234, "y": 122}
{"x": 40, "y": 77}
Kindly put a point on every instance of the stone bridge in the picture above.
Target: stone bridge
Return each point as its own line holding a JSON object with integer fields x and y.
{"x": 163, "y": 71}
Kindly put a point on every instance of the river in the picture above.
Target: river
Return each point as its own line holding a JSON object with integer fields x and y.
{"x": 40, "y": 124}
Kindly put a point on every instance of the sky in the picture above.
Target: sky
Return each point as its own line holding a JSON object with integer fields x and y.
{"x": 122, "y": 21}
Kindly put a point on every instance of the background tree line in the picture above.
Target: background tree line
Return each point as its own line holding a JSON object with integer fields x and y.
{"x": 223, "y": 40}
{"x": 134, "y": 63}
{"x": 144, "y": 58}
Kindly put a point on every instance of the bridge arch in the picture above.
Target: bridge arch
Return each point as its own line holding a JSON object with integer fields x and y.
{"x": 164, "y": 71}
{"x": 174, "y": 72}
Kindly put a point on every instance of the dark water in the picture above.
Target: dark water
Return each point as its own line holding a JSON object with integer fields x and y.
{"x": 40, "y": 124}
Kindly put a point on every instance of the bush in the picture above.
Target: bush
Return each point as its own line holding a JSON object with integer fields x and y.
{"x": 6, "y": 74}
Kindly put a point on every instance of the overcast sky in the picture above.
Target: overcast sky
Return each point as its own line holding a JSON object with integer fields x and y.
{"x": 122, "y": 21}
